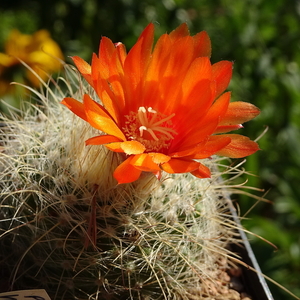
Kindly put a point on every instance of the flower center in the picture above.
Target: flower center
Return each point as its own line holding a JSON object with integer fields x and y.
{"x": 150, "y": 128}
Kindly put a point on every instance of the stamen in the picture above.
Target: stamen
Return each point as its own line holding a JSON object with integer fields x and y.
{"x": 152, "y": 134}
{"x": 142, "y": 115}
{"x": 151, "y": 110}
{"x": 164, "y": 120}
{"x": 158, "y": 127}
{"x": 164, "y": 131}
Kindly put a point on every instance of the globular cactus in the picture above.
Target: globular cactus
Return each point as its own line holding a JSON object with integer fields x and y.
{"x": 67, "y": 225}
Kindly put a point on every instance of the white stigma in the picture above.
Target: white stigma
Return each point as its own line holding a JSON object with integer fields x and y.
{"x": 152, "y": 124}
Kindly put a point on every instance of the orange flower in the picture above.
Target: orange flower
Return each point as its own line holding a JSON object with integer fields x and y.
{"x": 163, "y": 107}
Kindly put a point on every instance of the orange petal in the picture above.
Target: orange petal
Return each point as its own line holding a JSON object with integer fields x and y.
{"x": 144, "y": 162}
{"x": 175, "y": 165}
{"x": 227, "y": 128}
{"x": 200, "y": 69}
{"x": 181, "y": 31}
{"x": 172, "y": 74}
{"x": 196, "y": 132}
{"x": 135, "y": 66}
{"x": 98, "y": 69}
{"x": 115, "y": 147}
{"x": 202, "y": 172}
{"x": 239, "y": 112}
{"x": 132, "y": 147}
{"x": 102, "y": 139}
{"x": 128, "y": 147}
{"x": 159, "y": 57}
{"x": 100, "y": 119}
{"x": 202, "y": 44}
{"x": 147, "y": 37}
{"x": 113, "y": 87}
{"x": 213, "y": 145}
{"x": 121, "y": 50}
{"x": 102, "y": 79}
{"x": 107, "y": 96}
{"x": 126, "y": 172}
{"x": 84, "y": 68}
{"x": 180, "y": 59}
{"x": 192, "y": 150}
{"x": 200, "y": 100}
{"x": 204, "y": 149}
{"x": 75, "y": 106}
{"x": 106, "y": 50}
{"x": 222, "y": 73}
{"x": 240, "y": 146}
{"x": 218, "y": 109}
{"x": 159, "y": 158}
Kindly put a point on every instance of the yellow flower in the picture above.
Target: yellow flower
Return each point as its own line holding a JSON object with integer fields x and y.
{"x": 38, "y": 51}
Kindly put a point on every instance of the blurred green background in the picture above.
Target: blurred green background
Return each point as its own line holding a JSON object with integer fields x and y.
{"x": 262, "y": 37}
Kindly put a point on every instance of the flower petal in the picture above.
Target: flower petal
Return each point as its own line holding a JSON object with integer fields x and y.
{"x": 159, "y": 59}
{"x": 240, "y": 146}
{"x": 192, "y": 150}
{"x": 132, "y": 147}
{"x": 102, "y": 139}
{"x": 213, "y": 145}
{"x": 202, "y": 172}
{"x": 106, "y": 50}
{"x": 159, "y": 158}
{"x": 115, "y": 147}
{"x": 239, "y": 112}
{"x": 75, "y": 106}
{"x": 217, "y": 110}
{"x": 179, "y": 61}
{"x": 100, "y": 119}
{"x": 128, "y": 147}
{"x": 172, "y": 74}
{"x": 106, "y": 73}
{"x": 199, "y": 100}
{"x": 222, "y": 73}
{"x": 144, "y": 162}
{"x": 108, "y": 98}
{"x": 204, "y": 149}
{"x": 181, "y": 31}
{"x": 177, "y": 80}
{"x": 135, "y": 66}
{"x": 199, "y": 70}
{"x": 84, "y": 68}
{"x": 198, "y": 131}
{"x": 126, "y": 172}
{"x": 121, "y": 51}
{"x": 175, "y": 165}
{"x": 227, "y": 128}
{"x": 202, "y": 44}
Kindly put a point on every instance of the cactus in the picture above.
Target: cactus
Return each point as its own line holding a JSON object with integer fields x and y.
{"x": 67, "y": 227}
{"x": 74, "y": 223}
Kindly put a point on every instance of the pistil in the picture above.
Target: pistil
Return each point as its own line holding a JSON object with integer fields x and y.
{"x": 158, "y": 127}
{"x": 151, "y": 125}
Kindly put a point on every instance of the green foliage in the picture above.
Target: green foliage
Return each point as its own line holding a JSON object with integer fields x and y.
{"x": 262, "y": 37}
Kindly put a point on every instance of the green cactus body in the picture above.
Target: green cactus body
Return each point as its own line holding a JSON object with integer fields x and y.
{"x": 66, "y": 226}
